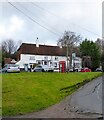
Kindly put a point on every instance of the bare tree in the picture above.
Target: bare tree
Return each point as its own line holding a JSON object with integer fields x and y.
{"x": 69, "y": 40}
{"x": 10, "y": 46}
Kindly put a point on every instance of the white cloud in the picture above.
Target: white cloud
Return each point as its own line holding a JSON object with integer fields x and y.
{"x": 16, "y": 24}
{"x": 52, "y": 0}
{"x": 2, "y": 30}
{"x": 10, "y": 27}
{"x": 73, "y": 15}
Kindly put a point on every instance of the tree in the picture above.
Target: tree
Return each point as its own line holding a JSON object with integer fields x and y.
{"x": 102, "y": 61}
{"x": 102, "y": 56}
{"x": 89, "y": 48}
{"x": 69, "y": 40}
{"x": 9, "y": 47}
{"x": 0, "y": 56}
{"x": 86, "y": 61}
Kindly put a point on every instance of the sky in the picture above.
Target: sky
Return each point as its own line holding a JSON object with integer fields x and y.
{"x": 48, "y": 20}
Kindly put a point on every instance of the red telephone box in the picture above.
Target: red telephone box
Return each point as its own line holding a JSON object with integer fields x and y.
{"x": 62, "y": 66}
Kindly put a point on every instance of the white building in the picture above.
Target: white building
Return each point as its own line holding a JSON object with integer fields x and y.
{"x": 28, "y": 55}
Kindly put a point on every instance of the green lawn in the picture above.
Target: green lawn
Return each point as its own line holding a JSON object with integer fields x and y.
{"x": 0, "y": 95}
{"x": 28, "y": 92}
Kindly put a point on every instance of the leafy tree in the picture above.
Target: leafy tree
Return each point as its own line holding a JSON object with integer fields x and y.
{"x": 89, "y": 48}
{"x": 102, "y": 56}
{"x": 0, "y": 56}
{"x": 102, "y": 61}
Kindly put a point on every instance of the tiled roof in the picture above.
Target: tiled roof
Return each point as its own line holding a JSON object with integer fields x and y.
{"x": 26, "y": 48}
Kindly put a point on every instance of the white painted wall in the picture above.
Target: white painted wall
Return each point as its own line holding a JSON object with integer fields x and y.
{"x": 78, "y": 62}
{"x": 31, "y": 59}
{"x": 27, "y": 59}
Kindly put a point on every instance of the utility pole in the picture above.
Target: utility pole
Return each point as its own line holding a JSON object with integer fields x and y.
{"x": 67, "y": 59}
{"x": 67, "y": 51}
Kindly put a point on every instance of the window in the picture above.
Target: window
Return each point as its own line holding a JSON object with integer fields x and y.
{"x": 45, "y": 62}
{"x": 46, "y": 58}
{"x": 56, "y": 58}
{"x": 55, "y": 64}
{"x": 39, "y": 61}
{"x": 39, "y": 67}
{"x": 76, "y": 59}
{"x": 32, "y": 57}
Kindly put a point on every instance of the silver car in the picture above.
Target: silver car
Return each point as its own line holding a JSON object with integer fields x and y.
{"x": 8, "y": 68}
{"x": 43, "y": 68}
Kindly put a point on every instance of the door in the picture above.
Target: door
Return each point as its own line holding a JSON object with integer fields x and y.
{"x": 62, "y": 66}
{"x": 26, "y": 67}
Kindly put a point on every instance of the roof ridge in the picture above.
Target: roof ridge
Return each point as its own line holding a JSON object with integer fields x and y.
{"x": 39, "y": 44}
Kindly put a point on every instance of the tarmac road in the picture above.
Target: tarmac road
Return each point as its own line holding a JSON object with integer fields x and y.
{"x": 84, "y": 103}
{"x": 88, "y": 99}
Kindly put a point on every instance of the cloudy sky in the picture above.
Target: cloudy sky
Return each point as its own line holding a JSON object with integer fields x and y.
{"x": 48, "y": 20}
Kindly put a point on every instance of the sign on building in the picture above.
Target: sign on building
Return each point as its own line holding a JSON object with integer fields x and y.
{"x": 73, "y": 56}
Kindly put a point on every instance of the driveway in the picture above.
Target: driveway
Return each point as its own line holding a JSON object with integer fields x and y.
{"x": 86, "y": 102}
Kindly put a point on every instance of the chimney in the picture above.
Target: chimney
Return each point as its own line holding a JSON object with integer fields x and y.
{"x": 60, "y": 46}
{"x": 37, "y": 42}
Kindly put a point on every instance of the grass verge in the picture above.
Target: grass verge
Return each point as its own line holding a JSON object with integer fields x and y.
{"x": 28, "y": 92}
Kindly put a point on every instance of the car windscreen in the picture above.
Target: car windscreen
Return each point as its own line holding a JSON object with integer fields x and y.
{"x": 12, "y": 65}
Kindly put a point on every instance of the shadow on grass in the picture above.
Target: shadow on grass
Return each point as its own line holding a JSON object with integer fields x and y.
{"x": 73, "y": 87}
{"x": 70, "y": 89}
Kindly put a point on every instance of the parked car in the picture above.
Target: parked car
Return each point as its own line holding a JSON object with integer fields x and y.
{"x": 0, "y": 70}
{"x": 56, "y": 69}
{"x": 71, "y": 70}
{"x": 98, "y": 70}
{"x": 8, "y": 68}
{"x": 43, "y": 68}
{"x": 85, "y": 70}
{"x": 75, "y": 70}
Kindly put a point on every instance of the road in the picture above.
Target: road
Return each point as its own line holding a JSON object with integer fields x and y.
{"x": 88, "y": 99}
{"x": 86, "y": 102}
